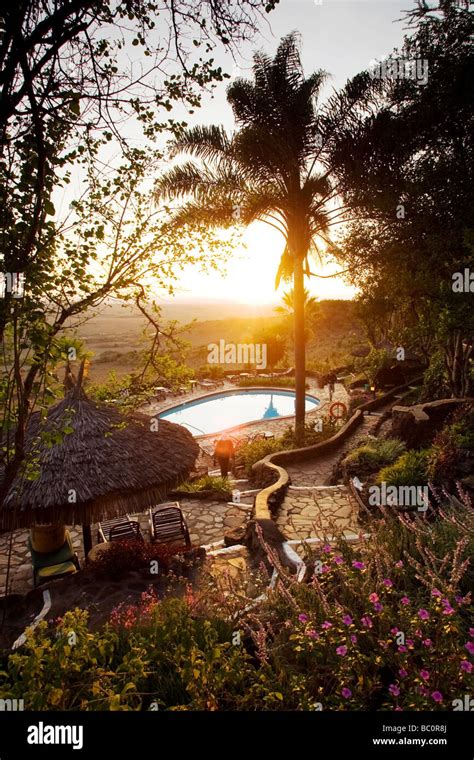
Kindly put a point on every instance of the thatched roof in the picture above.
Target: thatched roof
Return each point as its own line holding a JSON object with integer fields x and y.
{"x": 106, "y": 466}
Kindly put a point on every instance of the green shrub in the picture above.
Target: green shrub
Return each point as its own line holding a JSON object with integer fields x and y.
{"x": 252, "y": 452}
{"x": 374, "y": 454}
{"x": 207, "y": 483}
{"x": 410, "y": 469}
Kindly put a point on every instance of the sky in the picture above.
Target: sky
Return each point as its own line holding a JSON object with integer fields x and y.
{"x": 341, "y": 37}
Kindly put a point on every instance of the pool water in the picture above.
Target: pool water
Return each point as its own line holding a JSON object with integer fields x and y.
{"x": 231, "y": 408}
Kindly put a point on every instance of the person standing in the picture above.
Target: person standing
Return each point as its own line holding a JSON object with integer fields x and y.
{"x": 223, "y": 452}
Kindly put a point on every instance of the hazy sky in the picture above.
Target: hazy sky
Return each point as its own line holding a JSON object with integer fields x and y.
{"x": 338, "y": 36}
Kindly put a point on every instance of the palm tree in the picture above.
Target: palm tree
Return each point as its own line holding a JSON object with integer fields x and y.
{"x": 288, "y": 303}
{"x": 271, "y": 169}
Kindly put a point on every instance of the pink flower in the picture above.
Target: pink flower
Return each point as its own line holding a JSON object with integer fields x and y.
{"x": 466, "y": 666}
{"x": 378, "y": 607}
{"x": 346, "y": 693}
{"x": 303, "y": 618}
{"x": 373, "y": 597}
{"x": 425, "y": 675}
{"x": 448, "y": 610}
{"x": 399, "y": 563}
{"x": 402, "y": 648}
{"x": 427, "y": 642}
{"x": 341, "y": 651}
{"x": 394, "y": 689}
{"x": 326, "y": 624}
{"x": 387, "y": 582}
{"x": 353, "y": 638}
{"x": 471, "y": 633}
{"x": 358, "y": 565}
{"x": 470, "y": 647}
{"x": 423, "y": 614}
{"x": 338, "y": 560}
{"x": 367, "y": 621}
{"x": 403, "y": 673}
{"x": 435, "y": 592}
{"x": 312, "y": 634}
{"x": 326, "y": 549}
{"x": 437, "y": 696}
{"x": 347, "y": 620}
{"x": 404, "y": 600}
{"x": 326, "y": 569}
{"x": 409, "y": 643}
{"x": 394, "y": 630}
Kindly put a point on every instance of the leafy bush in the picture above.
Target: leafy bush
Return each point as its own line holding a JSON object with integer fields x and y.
{"x": 410, "y": 469}
{"x": 445, "y": 452}
{"x": 373, "y": 454}
{"x": 122, "y": 557}
{"x": 252, "y": 452}
{"x": 207, "y": 483}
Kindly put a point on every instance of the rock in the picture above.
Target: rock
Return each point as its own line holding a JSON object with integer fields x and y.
{"x": 235, "y": 536}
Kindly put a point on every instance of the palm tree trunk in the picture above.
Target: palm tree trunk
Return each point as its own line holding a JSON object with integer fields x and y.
{"x": 300, "y": 358}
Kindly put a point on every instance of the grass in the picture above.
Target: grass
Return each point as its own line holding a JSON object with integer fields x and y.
{"x": 207, "y": 483}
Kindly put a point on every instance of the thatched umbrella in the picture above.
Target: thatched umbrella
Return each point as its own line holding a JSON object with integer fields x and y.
{"x": 103, "y": 464}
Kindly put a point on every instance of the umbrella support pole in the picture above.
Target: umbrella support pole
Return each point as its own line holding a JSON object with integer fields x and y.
{"x": 87, "y": 539}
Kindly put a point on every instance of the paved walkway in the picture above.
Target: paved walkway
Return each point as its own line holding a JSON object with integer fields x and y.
{"x": 207, "y": 522}
{"x": 311, "y": 507}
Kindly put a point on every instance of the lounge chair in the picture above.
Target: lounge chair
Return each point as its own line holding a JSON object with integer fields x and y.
{"x": 56, "y": 564}
{"x": 168, "y": 526}
{"x": 119, "y": 529}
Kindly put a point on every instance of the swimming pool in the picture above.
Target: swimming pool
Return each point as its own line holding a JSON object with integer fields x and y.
{"x": 210, "y": 414}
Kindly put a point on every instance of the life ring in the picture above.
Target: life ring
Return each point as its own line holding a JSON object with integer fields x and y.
{"x": 342, "y": 410}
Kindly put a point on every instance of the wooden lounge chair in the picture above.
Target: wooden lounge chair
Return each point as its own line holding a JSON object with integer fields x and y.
{"x": 56, "y": 564}
{"x": 119, "y": 529}
{"x": 168, "y": 526}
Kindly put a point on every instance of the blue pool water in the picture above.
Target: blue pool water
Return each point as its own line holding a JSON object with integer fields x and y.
{"x": 230, "y": 408}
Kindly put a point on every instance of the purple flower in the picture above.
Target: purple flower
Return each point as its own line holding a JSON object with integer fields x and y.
{"x": 448, "y": 610}
{"x": 387, "y": 582}
{"x": 423, "y": 614}
{"x": 394, "y": 630}
{"x": 338, "y": 560}
{"x": 353, "y": 638}
{"x": 347, "y": 620}
{"x": 437, "y": 696}
{"x": 425, "y": 675}
{"x": 402, "y": 673}
{"x": 326, "y": 624}
{"x": 358, "y": 565}
{"x": 435, "y": 592}
{"x": 303, "y": 618}
{"x": 402, "y": 648}
{"x": 378, "y": 607}
{"x": 373, "y": 597}
{"x": 394, "y": 689}
{"x": 312, "y": 634}
{"x": 326, "y": 568}
{"x": 405, "y": 600}
{"x": 471, "y": 633}
{"x": 470, "y": 647}
{"x": 409, "y": 642}
{"x": 427, "y": 642}
{"x": 326, "y": 549}
{"x": 346, "y": 693}
{"x": 367, "y": 621}
{"x": 466, "y": 666}
{"x": 341, "y": 651}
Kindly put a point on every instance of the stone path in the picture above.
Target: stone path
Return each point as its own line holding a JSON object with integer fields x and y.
{"x": 309, "y": 510}
{"x": 207, "y": 522}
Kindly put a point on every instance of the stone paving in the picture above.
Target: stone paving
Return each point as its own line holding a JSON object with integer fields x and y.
{"x": 309, "y": 510}
{"x": 207, "y": 522}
